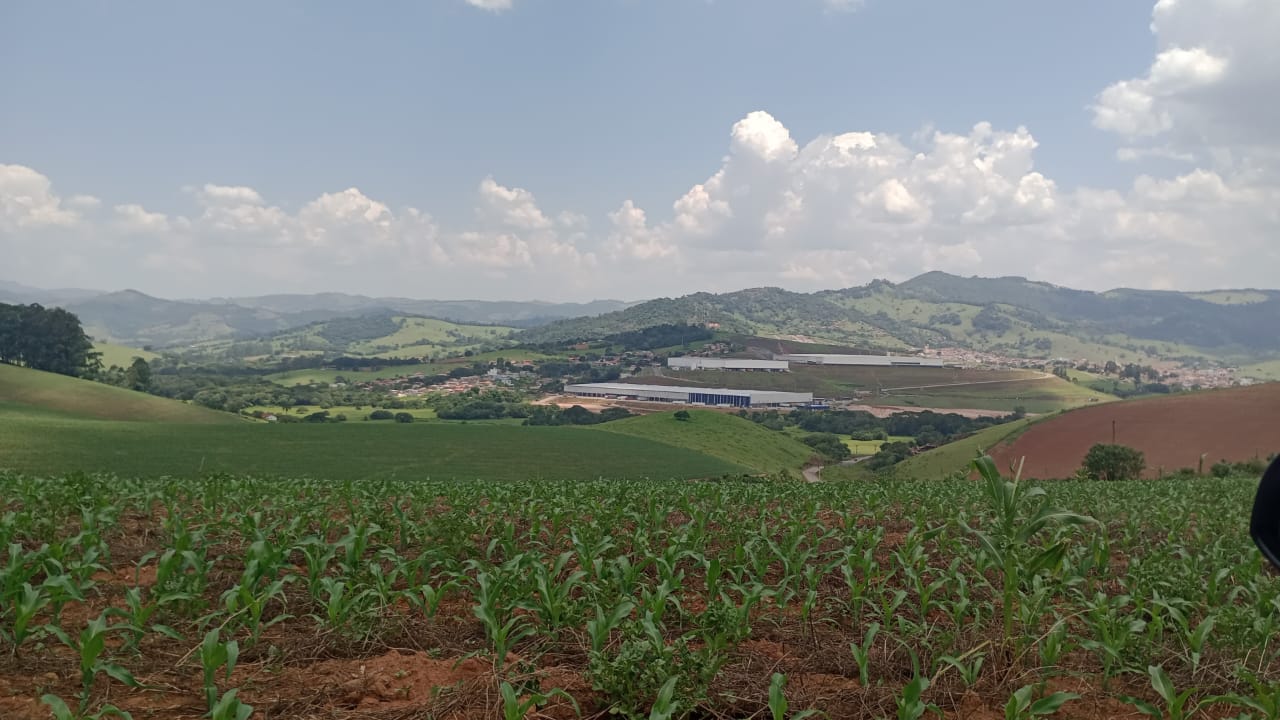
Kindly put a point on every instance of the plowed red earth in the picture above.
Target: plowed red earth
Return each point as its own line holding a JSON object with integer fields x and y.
{"x": 1237, "y": 424}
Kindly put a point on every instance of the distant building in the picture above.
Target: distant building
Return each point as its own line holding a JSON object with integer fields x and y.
{"x": 872, "y": 360}
{"x": 715, "y": 363}
{"x": 719, "y": 397}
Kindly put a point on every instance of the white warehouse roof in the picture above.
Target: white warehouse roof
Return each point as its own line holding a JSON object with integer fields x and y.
{"x": 716, "y": 363}
{"x": 694, "y": 395}
{"x": 880, "y": 360}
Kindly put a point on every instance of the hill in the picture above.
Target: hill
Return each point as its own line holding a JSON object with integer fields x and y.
{"x": 24, "y": 391}
{"x": 130, "y": 317}
{"x": 381, "y": 334}
{"x": 348, "y": 451}
{"x": 955, "y": 456}
{"x": 1236, "y": 424}
{"x": 721, "y": 435}
{"x": 1011, "y": 315}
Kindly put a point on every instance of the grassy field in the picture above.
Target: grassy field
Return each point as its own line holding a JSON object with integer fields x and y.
{"x": 328, "y": 377}
{"x": 420, "y": 337}
{"x": 349, "y": 451}
{"x": 719, "y": 435}
{"x": 22, "y": 389}
{"x": 1042, "y": 395}
{"x": 863, "y": 448}
{"x": 943, "y": 461}
{"x": 1000, "y": 390}
{"x": 122, "y": 355}
{"x": 403, "y": 598}
{"x": 353, "y": 414}
{"x": 1269, "y": 370}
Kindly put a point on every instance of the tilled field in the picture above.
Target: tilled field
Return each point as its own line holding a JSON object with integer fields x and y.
{"x": 1172, "y": 432}
{"x": 395, "y": 600}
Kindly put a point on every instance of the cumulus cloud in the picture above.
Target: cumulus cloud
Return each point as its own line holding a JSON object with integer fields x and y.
{"x": 1210, "y": 91}
{"x": 833, "y": 210}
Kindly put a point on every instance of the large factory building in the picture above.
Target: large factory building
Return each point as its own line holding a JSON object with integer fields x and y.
{"x": 690, "y": 395}
{"x": 715, "y": 363}
{"x": 874, "y": 360}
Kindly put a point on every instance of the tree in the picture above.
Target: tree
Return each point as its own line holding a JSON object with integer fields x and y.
{"x": 138, "y": 376}
{"x": 404, "y": 417}
{"x": 1114, "y": 462}
{"x": 49, "y": 339}
{"x": 829, "y": 445}
{"x": 683, "y": 416}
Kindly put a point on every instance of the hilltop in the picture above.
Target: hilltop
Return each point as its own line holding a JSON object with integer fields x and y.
{"x": 31, "y": 392}
{"x": 130, "y": 317}
{"x": 1010, "y": 315}
{"x": 719, "y": 435}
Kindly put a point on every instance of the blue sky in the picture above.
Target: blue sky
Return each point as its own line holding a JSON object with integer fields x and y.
{"x": 584, "y": 113}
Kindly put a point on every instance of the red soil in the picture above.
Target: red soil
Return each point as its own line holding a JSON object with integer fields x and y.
{"x": 1236, "y": 424}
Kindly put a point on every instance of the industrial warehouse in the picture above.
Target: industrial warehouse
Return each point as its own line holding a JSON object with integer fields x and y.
{"x": 873, "y": 360}
{"x": 717, "y": 363}
{"x": 690, "y": 395}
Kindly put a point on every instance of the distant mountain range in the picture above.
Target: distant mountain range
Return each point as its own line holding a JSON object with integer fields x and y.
{"x": 1011, "y": 315}
{"x": 132, "y": 318}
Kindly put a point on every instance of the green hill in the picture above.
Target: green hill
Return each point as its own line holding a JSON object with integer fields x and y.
{"x": 1011, "y": 315}
{"x": 719, "y": 435}
{"x": 42, "y": 445}
{"x": 943, "y": 461}
{"x": 24, "y": 391}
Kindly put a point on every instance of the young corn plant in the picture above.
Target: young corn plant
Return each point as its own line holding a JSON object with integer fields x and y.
{"x": 862, "y": 653}
{"x": 911, "y": 704}
{"x": 137, "y": 614}
{"x": 1022, "y": 706}
{"x": 778, "y": 700}
{"x": 216, "y": 655}
{"x": 502, "y": 635}
{"x": 1177, "y": 705}
{"x": 514, "y": 707}
{"x": 1008, "y": 545}
{"x": 58, "y": 707}
{"x": 229, "y": 707}
{"x": 90, "y": 646}
{"x": 24, "y": 612}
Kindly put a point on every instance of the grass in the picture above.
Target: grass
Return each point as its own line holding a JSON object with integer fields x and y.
{"x": 1269, "y": 370}
{"x": 353, "y": 413}
{"x": 23, "y": 390}
{"x": 947, "y": 388}
{"x": 122, "y": 355}
{"x": 721, "y": 435}
{"x": 864, "y": 448}
{"x": 1231, "y": 297}
{"x": 943, "y": 461}
{"x": 328, "y": 377}
{"x": 42, "y": 443}
{"x": 1041, "y": 395}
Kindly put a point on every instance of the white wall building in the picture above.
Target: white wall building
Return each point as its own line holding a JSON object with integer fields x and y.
{"x": 873, "y": 360}
{"x": 690, "y": 395}
{"x": 715, "y": 363}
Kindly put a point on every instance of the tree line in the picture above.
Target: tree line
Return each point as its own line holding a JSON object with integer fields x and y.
{"x": 49, "y": 339}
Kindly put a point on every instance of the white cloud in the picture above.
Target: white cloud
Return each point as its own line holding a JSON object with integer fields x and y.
{"x": 27, "y": 200}
{"x": 491, "y": 5}
{"x": 134, "y": 218}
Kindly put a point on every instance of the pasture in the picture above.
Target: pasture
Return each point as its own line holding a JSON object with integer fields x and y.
{"x": 396, "y": 598}
{"x": 721, "y": 435}
{"x": 344, "y": 451}
{"x": 121, "y": 355}
{"x": 23, "y": 390}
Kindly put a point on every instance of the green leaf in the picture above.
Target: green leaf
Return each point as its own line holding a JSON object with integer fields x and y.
{"x": 1161, "y": 683}
{"x": 1049, "y": 705}
{"x": 121, "y": 674}
{"x": 59, "y": 708}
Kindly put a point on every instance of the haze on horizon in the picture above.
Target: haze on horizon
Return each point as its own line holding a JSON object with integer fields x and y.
{"x": 566, "y": 151}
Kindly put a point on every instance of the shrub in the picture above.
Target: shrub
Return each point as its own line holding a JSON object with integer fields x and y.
{"x": 404, "y": 417}
{"x": 381, "y": 415}
{"x": 828, "y": 445}
{"x": 682, "y": 415}
{"x": 1114, "y": 462}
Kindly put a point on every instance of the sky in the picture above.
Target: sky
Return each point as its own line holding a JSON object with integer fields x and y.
{"x": 571, "y": 150}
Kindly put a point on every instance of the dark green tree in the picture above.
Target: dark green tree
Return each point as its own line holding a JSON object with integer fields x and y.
{"x": 49, "y": 339}
{"x": 138, "y": 376}
{"x": 683, "y": 416}
{"x": 1114, "y": 462}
